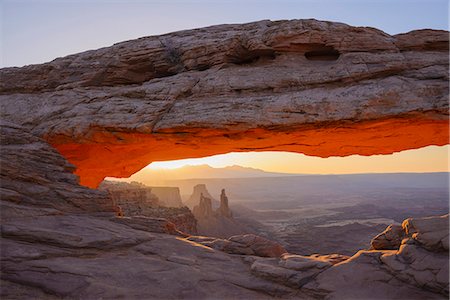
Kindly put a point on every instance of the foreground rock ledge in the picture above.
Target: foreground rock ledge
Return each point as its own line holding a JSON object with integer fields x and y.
{"x": 60, "y": 240}
{"x": 307, "y": 86}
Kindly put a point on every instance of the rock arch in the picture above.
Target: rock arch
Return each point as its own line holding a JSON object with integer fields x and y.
{"x": 250, "y": 87}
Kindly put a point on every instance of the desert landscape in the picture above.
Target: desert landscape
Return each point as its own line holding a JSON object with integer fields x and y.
{"x": 79, "y": 221}
{"x": 309, "y": 214}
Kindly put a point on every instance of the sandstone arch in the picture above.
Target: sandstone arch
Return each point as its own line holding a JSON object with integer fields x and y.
{"x": 225, "y": 88}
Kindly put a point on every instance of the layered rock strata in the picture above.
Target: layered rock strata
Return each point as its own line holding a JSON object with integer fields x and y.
{"x": 72, "y": 246}
{"x": 168, "y": 196}
{"x": 313, "y": 87}
{"x": 137, "y": 200}
{"x": 318, "y": 88}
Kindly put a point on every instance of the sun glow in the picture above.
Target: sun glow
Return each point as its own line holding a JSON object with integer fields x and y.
{"x": 428, "y": 159}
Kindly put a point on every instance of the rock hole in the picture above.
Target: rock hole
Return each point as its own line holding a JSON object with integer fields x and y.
{"x": 322, "y": 53}
{"x": 244, "y": 56}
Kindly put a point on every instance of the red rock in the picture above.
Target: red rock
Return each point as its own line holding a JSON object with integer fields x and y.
{"x": 318, "y": 88}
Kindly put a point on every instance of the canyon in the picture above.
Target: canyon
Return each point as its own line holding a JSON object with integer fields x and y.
{"x": 307, "y": 86}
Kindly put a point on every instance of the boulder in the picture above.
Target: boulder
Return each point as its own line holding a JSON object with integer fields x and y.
{"x": 431, "y": 232}
{"x": 390, "y": 239}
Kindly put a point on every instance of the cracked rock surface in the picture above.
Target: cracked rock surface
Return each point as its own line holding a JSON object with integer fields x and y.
{"x": 314, "y": 87}
{"x": 53, "y": 248}
{"x": 302, "y": 85}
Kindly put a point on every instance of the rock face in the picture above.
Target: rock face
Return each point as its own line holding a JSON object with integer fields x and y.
{"x": 215, "y": 222}
{"x": 130, "y": 198}
{"x": 224, "y": 209}
{"x": 181, "y": 217}
{"x": 61, "y": 240}
{"x": 431, "y": 233}
{"x": 169, "y": 196}
{"x": 333, "y": 89}
{"x": 390, "y": 239}
{"x": 204, "y": 208}
{"x": 195, "y": 198}
{"x": 284, "y": 85}
{"x": 421, "y": 261}
{"x": 137, "y": 200}
{"x": 35, "y": 176}
{"x": 248, "y": 244}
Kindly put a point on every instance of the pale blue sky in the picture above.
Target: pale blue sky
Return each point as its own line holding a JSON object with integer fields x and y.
{"x": 39, "y": 31}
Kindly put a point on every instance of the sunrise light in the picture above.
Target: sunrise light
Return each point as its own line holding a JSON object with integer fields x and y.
{"x": 427, "y": 159}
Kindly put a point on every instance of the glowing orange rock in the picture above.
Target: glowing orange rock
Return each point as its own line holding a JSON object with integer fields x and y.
{"x": 306, "y": 86}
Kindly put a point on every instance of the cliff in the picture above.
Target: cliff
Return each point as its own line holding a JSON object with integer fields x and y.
{"x": 195, "y": 198}
{"x": 136, "y": 199}
{"x": 130, "y": 199}
{"x": 169, "y": 196}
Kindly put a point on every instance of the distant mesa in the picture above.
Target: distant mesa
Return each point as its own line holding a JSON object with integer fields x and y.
{"x": 138, "y": 200}
{"x": 169, "y": 195}
{"x": 165, "y": 196}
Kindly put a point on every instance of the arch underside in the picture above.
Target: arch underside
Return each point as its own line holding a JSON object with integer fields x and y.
{"x": 307, "y": 86}
{"x": 123, "y": 154}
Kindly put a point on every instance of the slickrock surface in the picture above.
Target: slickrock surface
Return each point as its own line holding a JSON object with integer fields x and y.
{"x": 314, "y": 87}
{"x": 52, "y": 247}
{"x": 320, "y": 88}
{"x": 248, "y": 244}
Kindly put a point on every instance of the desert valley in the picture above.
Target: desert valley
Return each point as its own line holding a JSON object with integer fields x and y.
{"x": 307, "y": 214}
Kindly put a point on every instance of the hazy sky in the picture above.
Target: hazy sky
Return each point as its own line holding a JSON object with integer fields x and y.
{"x": 39, "y": 31}
{"x": 429, "y": 159}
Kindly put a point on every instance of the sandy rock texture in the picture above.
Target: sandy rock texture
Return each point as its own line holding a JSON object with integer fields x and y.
{"x": 33, "y": 174}
{"x": 319, "y": 88}
{"x": 314, "y": 87}
{"x": 71, "y": 245}
{"x": 417, "y": 269}
{"x": 246, "y": 244}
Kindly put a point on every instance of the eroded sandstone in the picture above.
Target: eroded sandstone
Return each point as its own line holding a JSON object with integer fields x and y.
{"x": 306, "y": 86}
{"x": 317, "y": 85}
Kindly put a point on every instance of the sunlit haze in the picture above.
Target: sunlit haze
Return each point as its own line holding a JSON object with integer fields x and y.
{"x": 428, "y": 159}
